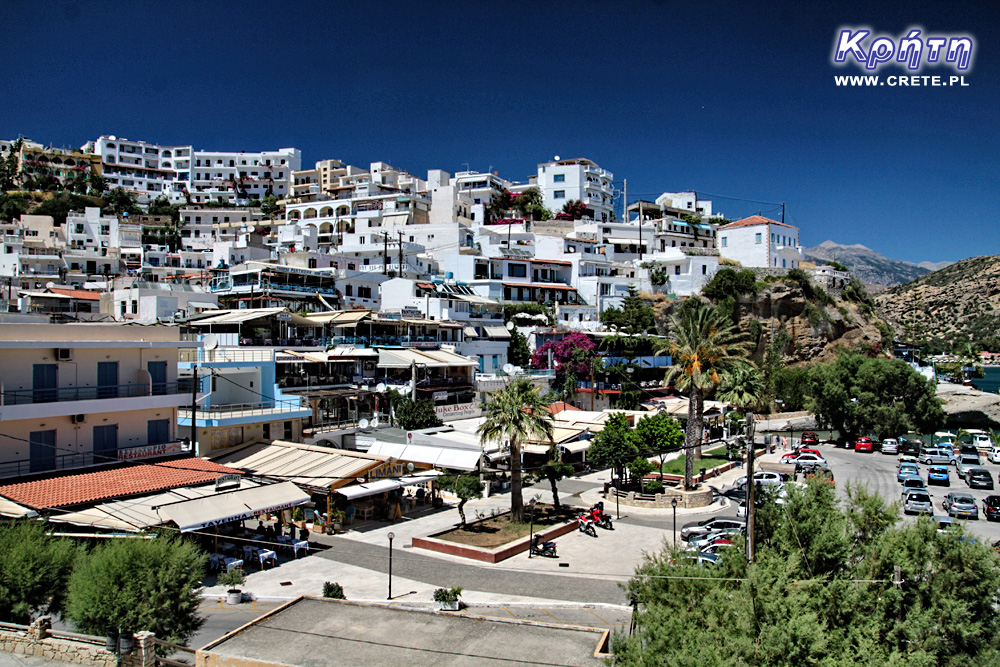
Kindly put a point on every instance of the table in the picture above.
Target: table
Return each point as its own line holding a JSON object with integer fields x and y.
{"x": 233, "y": 563}
{"x": 365, "y": 512}
{"x": 227, "y": 547}
{"x": 265, "y": 555}
{"x": 301, "y": 544}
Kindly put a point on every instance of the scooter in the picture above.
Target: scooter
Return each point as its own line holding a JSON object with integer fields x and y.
{"x": 586, "y": 524}
{"x": 600, "y": 518}
{"x": 539, "y": 548}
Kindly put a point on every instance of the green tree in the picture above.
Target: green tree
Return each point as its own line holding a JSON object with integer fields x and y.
{"x": 614, "y": 445}
{"x": 743, "y": 388}
{"x": 60, "y": 206}
{"x": 33, "y": 571}
{"x": 499, "y": 206}
{"x": 658, "y": 434}
{"x": 555, "y": 470}
{"x": 515, "y": 415}
{"x": 10, "y": 166}
{"x": 704, "y": 346}
{"x": 639, "y": 467}
{"x": 518, "y": 352}
{"x": 269, "y": 206}
{"x": 574, "y": 209}
{"x": 413, "y": 415}
{"x": 122, "y": 201}
{"x": 97, "y": 184}
{"x": 634, "y": 317}
{"x": 729, "y": 282}
{"x": 12, "y": 207}
{"x": 858, "y": 395}
{"x": 466, "y": 487}
{"x": 529, "y": 204}
{"x": 138, "y": 585}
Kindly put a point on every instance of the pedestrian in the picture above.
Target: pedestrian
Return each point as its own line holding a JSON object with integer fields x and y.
{"x": 784, "y": 443}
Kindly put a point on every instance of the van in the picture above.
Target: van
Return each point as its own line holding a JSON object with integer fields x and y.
{"x": 932, "y": 455}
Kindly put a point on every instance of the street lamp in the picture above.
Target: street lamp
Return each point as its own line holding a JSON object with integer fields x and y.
{"x": 673, "y": 503}
{"x": 531, "y": 525}
{"x": 391, "y": 537}
{"x": 618, "y": 495}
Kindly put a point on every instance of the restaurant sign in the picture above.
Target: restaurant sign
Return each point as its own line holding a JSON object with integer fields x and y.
{"x": 457, "y": 411}
{"x": 388, "y": 469}
{"x": 149, "y": 451}
{"x": 249, "y": 514}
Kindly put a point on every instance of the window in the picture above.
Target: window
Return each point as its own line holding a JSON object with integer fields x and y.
{"x": 559, "y": 178}
{"x": 517, "y": 270}
{"x": 783, "y": 264}
{"x": 772, "y": 237}
{"x": 157, "y": 431}
{"x": 349, "y": 290}
{"x": 757, "y": 238}
{"x": 725, "y": 241}
{"x": 365, "y": 292}
{"x": 677, "y": 270}
{"x": 559, "y": 194}
{"x": 704, "y": 269}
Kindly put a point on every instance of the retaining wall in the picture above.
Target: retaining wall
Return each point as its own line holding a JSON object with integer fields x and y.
{"x": 494, "y": 555}
{"x": 39, "y": 640}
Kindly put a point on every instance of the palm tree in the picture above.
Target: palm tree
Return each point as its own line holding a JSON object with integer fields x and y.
{"x": 516, "y": 414}
{"x": 743, "y": 388}
{"x": 704, "y": 346}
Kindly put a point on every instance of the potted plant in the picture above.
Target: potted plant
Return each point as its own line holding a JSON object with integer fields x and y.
{"x": 446, "y": 599}
{"x": 299, "y": 517}
{"x": 332, "y": 589}
{"x": 234, "y": 579}
{"x": 337, "y": 521}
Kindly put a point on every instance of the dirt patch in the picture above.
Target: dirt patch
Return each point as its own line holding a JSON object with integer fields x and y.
{"x": 495, "y": 531}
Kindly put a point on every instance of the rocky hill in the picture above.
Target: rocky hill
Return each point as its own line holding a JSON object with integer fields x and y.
{"x": 871, "y": 267}
{"x": 960, "y": 302}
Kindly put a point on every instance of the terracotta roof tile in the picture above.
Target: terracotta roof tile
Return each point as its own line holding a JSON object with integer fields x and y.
{"x": 129, "y": 480}
{"x": 85, "y": 295}
{"x": 560, "y": 406}
{"x": 753, "y": 221}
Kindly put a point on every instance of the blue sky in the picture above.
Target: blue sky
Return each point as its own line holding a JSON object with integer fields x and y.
{"x": 719, "y": 97}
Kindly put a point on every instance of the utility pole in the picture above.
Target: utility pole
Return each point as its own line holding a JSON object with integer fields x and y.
{"x": 413, "y": 381}
{"x": 625, "y": 199}
{"x": 400, "y": 272}
{"x": 194, "y": 408}
{"x": 385, "y": 253}
{"x": 782, "y": 212}
{"x": 751, "y": 513}
{"x": 640, "y": 230}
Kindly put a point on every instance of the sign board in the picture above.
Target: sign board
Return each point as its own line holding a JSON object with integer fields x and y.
{"x": 149, "y": 451}
{"x": 388, "y": 315}
{"x": 457, "y": 411}
{"x": 414, "y": 438}
{"x": 440, "y": 395}
{"x": 227, "y": 483}
{"x": 283, "y": 317}
{"x": 388, "y": 469}
{"x": 411, "y": 313}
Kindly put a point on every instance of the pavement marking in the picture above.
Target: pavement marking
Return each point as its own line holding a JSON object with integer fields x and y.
{"x": 550, "y": 614}
{"x": 596, "y": 616}
{"x": 510, "y": 612}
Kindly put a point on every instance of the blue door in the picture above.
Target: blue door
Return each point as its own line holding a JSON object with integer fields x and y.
{"x": 107, "y": 379}
{"x": 106, "y": 443}
{"x": 157, "y": 431}
{"x": 158, "y": 373}
{"x": 43, "y": 450}
{"x": 45, "y": 382}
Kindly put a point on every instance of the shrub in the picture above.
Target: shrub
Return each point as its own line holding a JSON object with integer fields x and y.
{"x": 333, "y": 590}
{"x": 232, "y": 578}
{"x": 654, "y": 486}
{"x": 447, "y": 594}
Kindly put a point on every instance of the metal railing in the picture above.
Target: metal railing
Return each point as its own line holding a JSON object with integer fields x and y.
{"x": 200, "y": 355}
{"x": 88, "y": 393}
{"x": 65, "y": 462}
{"x": 243, "y": 409}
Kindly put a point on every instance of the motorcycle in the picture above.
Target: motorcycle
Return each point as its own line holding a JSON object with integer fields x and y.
{"x": 586, "y": 524}
{"x": 600, "y": 518}
{"x": 539, "y": 548}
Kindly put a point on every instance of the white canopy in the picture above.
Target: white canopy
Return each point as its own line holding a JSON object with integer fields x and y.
{"x": 235, "y": 506}
{"x": 369, "y": 488}
{"x": 440, "y": 457}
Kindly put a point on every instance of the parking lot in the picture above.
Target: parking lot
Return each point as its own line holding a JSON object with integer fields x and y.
{"x": 878, "y": 472}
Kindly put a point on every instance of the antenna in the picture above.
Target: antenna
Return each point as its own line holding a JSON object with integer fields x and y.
{"x": 210, "y": 341}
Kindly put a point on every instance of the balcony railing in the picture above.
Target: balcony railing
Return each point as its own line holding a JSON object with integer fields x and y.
{"x": 62, "y": 394}
{"x": 72, "y": 461}
{"x": 243, "y": 410}
{"x": 200, "y": 355}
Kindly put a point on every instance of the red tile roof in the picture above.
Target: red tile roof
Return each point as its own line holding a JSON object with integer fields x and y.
{"x": 85, "y": 295}
{"x": 753, "y": 221}
{"x": 130, "y": 480}
{"x": 556, "y": 408}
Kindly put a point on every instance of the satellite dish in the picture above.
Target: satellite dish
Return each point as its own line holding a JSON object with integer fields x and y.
{"x": 380, "y": 387}
{"x": 363, "y": 423}
{"x": 50, "y": 284}
{"x": 510, "y": 326}
{"x": 251, "y": 229}
{"x": 557, "y": 157}
{"x": 409, "y": 467}
{"x": 374, "y": 421}
{"x": 210, "y": 341}
{"x": 508, "y": 369}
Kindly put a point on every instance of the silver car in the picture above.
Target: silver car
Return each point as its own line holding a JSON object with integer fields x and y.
{"x": 959, "y": 504}
{"x": 917, "y": 502}
{"x": 890, "y": 446}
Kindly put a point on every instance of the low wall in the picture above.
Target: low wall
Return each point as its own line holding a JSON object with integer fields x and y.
{"x": 494, "y": 555}
{"x": 688, "y": 499}
{"x": 39, "y": 640}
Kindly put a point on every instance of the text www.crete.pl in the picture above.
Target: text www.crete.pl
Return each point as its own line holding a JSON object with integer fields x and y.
{"x": 901, "y": 80}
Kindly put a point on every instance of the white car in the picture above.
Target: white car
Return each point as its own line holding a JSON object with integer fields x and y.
{"x": 890, "y": 446}
{"x": 763, "y": 477}
{"x": 700, "y": 542}
{"x": 994, "y": 455}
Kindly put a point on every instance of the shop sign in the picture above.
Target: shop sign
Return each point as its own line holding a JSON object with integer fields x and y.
{"x": 149, "y": 451}
{"x": 457, "y": 411}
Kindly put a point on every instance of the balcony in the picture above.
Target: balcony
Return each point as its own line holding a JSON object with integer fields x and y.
{"x": 64, "y": 394}
{"x": 88, "y": 459}
{"x": 242, "y": 410}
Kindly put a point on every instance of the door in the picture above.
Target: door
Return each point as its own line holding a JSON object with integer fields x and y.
{"x": 106, "y": 443}
{"x": 45, "y": 382}
{"x": 107, "y": 379}
{"x": 158, "y": 373}
{"x": 43, "y": 450}
{"x": 157, "y": 431}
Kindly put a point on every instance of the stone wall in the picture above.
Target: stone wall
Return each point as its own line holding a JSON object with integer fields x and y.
{"x": 39, "y": 640}
{"x": 697, "y": 498}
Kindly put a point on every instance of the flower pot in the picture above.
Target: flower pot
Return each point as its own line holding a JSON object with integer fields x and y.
{"x": 447, "y": 606}
{"x": 234, "y": 596}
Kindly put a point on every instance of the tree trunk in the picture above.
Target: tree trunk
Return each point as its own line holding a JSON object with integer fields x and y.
{"x": 689, "y": 437}
{"x": 461, "y": 512}
{"x": 696, "y": 419}
{"x": 555, "y": 493}
{"x": 516, "y": 501}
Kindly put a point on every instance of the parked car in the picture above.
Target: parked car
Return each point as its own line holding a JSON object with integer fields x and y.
{"x": 804, "y": 460}
{"x": 909, "y": 447}
{"x": 705, "y": 526}
{"x": 764, "y": 478}
{"x": 913, "y": 483}
{"x": 994, "y": 455}
{"x": 714, "y": 549}
{"x": 809, "y": 438}
{"x": 917, "y": 502}
{"x": 981, "y": 441}
{"x": 906, "y": 470}
{"x": 966, "y": 463}
{"x": 942, "y": 522}
{"x": 979, "y": 478}
{"x": 699, "y": 559}
{"x": 906, "y": 458}
{"x": 864, "y": 445}
{"x": 701, "y": 541}
{"x": 930, "y": 455}
{"x": 960, "y": 504}
{"x": 939, "y": 475}
{"x": 810, "y": 450}
{"x": 890, "y": 446}
{"x": 821, "y": 472}
{"x": 991, "y": 507}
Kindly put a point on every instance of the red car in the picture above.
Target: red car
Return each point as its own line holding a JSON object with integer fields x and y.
{"x": 809, "y": 450}
{"x": 809, "y": 438}
{"x": 864, "y": 445}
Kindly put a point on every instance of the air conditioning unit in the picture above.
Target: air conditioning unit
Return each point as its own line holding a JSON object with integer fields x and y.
{"x": 79, "y": 419}
{"x": 64, "y": 354}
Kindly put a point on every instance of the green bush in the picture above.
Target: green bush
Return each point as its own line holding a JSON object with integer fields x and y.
{"x": 333, "y": 590}
{"x": 447, "y": 594}
{"x": 654, "y": 486}
{"x": 33, "y": 570}
{"x": 231, "y": 578}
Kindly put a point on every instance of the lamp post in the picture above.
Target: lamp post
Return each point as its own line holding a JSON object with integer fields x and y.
{"x": 618, "y": 513}
{"x": 673, "y": 503}
{"x": 391, "y": 537}
{"x": 531, "y": 526}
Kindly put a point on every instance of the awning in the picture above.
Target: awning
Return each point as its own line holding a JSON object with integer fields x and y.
{"x": 12, "y": 509}
{"x": 472, "y": 298}
{"x": 395, "y": 218}
{"x": 618, "y": 241}
{"x": 470, "y": 332}
{"x": 429, "y": 358}
{"x": 541, "y": 285}
{"x": 236, "y": 506}
{"x": 243, "y": 315}
{"x": 533, "y": 448}
{"x": 368, "y": 489}
{"x": 339, "y": 318}
{"x": 576, "y": 446}
{"x": 499, "y": 333}
{"x": 204, "y": 305}
{"x": 453, "y": 458}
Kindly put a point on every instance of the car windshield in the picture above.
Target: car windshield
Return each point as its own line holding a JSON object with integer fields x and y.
{"x": 919, "y": 498}
{"x": 980, "y": 474}
{"x": 938, "y": 471}
{"x": 993, "y": 501}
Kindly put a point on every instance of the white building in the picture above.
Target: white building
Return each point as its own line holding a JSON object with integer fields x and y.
{"x": 561, "y": 181}
{"x": 77, "y": 395}
{"x": 151, "y": 302}
{"x": 685, "y": 202}
{"x": 148, "y": 170}
{"x": 240, "y": 177}
{"x": 760, "y": 242}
